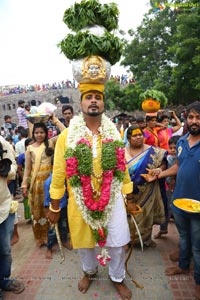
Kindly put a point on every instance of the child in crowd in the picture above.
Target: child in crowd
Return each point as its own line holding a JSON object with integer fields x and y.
{"x": 170, "y": 182}
{"x": 171, "y": 158}
{"x": 62, "y": 223}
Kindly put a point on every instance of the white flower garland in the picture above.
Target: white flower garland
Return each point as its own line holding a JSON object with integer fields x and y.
{"x": 78, "y": 130}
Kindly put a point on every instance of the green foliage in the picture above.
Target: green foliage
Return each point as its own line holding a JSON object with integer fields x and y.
{"x": 154, "y": 94}
{"x": 80, "y": 17}
{"x": 84, "y": 156}
{"x": 91, "y": 12}
{"x": 122, "y": 98}
{"x": 69, "y": 153}
{"x": 164, "y": 52}
{"x": 85, "y": 44}
{"x": 75, "y": 181}
{"x": 109, "y": 157}
{"x": 97, "y": 215}
{"x": 186, "y": 46}
{"x": 119, "y": 175}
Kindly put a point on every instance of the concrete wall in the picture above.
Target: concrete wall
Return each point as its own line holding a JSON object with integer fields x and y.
{"x": 9, "y": 104}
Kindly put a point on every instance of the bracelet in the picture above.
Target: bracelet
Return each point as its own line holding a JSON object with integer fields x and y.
{"x": 54, "y": 210}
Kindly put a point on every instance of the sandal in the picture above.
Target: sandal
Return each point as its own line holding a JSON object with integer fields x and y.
{"x": 15, "y": 286}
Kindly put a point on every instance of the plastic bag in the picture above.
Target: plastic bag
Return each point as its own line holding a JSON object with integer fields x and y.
{"x": 46, "y": 108}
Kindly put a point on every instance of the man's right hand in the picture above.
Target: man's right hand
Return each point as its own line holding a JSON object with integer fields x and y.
{"x": 53, "y": 217}
{"x": 54, "y": 211}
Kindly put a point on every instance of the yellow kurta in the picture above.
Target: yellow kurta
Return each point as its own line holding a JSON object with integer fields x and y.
{"x": 81, "y": 233}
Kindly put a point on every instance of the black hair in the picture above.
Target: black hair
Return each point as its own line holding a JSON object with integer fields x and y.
{"x": 24, "y": 132}
{"x": 132, "y": 119}
{"x": 195, "y": 106}
{"x": 8, "y": 138}
{"x": 149, "y": 118}
{"x": 6, "y": 117}
{"x": 131, "y": 128}
{"x": 27, "y": 141}
{"x": 27, "y": 105}
{"x": 20, "y": 128}
{"x": 140, "y": 119}
{"x": 33, "y": 102}
{"x": 161, "y": 118}
{"x": 21, "y": 102}
{"x": 174, "y": 139}
{"x": 66, "y": 107}
{"x": 48, "y": 150}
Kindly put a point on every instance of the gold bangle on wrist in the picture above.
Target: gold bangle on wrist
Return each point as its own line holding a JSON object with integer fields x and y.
{"x": 54, "y": 210}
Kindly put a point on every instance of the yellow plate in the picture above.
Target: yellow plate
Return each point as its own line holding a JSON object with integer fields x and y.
{"x": 188, "y": 205}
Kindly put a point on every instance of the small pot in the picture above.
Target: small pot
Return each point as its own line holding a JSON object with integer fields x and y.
{"x": 150, "y": 105}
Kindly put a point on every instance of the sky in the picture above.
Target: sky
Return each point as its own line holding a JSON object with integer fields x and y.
{"x": 30, "y": 31}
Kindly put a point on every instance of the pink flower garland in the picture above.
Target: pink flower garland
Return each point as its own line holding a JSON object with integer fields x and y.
{"x": 85, "y": 180}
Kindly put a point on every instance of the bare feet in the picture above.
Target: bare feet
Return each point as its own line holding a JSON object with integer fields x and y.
{"x": 175, "y": 271}
{"x": 150, "y": 244}
{"x": 85, "y": 283}
{"x": 15, "y": 239}
{"x": 197, "y": 292}
{"x": 124, "y": 292}
{"x": 49, "y": 254}
{"x": 160, "y": 233}
{"x": 174, "y": 256}
{"x": 67, "y": 245}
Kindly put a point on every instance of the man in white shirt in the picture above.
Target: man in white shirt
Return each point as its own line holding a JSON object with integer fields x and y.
{"x": 20, "y": 146}
{"x": 33, "y": 109}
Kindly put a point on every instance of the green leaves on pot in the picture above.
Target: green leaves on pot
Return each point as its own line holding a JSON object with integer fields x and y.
{"x": 154, "y": 94}
{"x": 91, "y": 12}
{"x": 85, "y": 44}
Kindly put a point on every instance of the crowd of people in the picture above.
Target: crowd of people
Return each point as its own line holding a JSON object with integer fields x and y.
{"x": 21, "y": 89}
{"x": 146, "y": 161}
{"x": 124, "y": 79}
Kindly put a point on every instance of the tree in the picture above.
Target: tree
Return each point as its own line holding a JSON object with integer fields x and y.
{"x": 164, "y": 52}
{"x": 186, "y": 50}
{"x": 123, "y": 98}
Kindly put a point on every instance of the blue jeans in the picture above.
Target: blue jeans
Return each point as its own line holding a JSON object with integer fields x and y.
{"x": 63, "y": 229}
{"x": 6, "y": 232}
{"x": 188, "y": 226}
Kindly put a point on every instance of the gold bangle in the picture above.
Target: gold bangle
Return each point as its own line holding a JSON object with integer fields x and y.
{"x": 54, "y": 210}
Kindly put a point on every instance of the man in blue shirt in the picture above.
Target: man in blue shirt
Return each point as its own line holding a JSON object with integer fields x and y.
{"x": 187, "y": 168}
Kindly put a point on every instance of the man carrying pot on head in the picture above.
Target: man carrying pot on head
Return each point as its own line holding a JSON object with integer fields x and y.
{"x": 92, "y": 149}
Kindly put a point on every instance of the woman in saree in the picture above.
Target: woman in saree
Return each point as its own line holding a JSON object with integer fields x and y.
{"x": 37, "y": 169}
{"x": 140, "y": 156}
